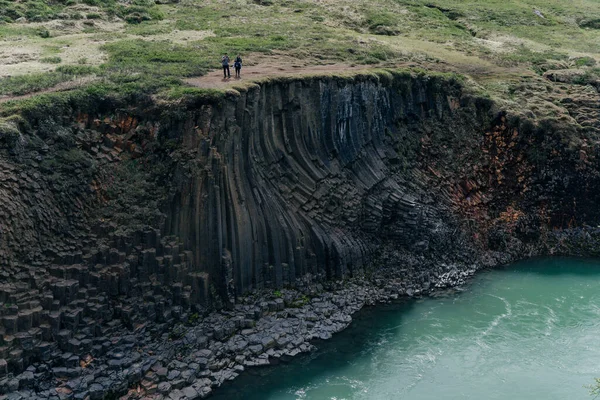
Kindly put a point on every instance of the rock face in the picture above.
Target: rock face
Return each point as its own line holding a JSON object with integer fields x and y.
{"x": 318, "y": 176}
{"x": 311, "y": 177}
{"x": 118, "y": 222}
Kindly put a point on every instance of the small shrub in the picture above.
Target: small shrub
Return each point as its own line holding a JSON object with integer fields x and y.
{"x": 382, "y": 23}
{"x": 77, "y": 69}
{"x": 136, "y": 18}
{"x": 135, "y": 14}
{"x": 585, "y": 62}
{"x": 379, "y": 55}
{"x": 589, "y": 77}
{"x": 156, "y": 14}
{"x": 143, "y": 3}
{"x": 51, "y": 60}
{"x": 43, "y": 33}
{"x": 590, "y": 23}
{"x": 18, "y": 85}
{"x": 93, "y": 16}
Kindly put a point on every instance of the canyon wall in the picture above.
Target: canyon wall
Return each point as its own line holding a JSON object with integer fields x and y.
{"x": 318, "y": 176}
{"x": 117, "y": 214}
{"x": 311, "y": 177}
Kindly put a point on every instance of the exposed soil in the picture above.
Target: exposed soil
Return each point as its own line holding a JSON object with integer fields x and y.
{"x": 259, "y": 66}
{"x": 214, "y": 79}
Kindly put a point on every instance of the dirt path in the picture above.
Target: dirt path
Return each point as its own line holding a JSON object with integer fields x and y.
{"x": 214, "y": 79}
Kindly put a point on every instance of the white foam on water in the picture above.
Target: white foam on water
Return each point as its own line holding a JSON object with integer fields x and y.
{"x": 550, "y": 321}
{"x": 499, "y": 318}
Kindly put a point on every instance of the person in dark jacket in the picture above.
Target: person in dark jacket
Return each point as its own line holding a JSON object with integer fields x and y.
{"x": 225, "y": 63}
{"x": 238, "y": 66}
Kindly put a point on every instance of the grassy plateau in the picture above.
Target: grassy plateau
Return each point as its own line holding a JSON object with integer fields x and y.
{"x": 153, "y": 46}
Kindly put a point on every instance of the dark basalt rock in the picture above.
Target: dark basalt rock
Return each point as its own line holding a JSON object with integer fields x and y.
{"x": 160, "y": 251}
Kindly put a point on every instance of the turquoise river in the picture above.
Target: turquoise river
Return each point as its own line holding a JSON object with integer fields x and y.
{"x": 527, "y": 331}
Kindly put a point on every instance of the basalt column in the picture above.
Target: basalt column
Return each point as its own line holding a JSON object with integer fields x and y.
{"x": 299, "y": 177}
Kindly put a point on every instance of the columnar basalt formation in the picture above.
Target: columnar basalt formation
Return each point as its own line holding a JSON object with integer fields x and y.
{"x": 311, "y": 177}
{"x": 120, "y": 220}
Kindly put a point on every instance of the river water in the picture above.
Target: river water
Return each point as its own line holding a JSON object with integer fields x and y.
{"x": 527, "y": 331}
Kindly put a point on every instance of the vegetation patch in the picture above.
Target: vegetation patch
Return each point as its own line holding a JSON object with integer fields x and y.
{"x": 51, "y": 60}
{"x": 22, "y": 84}
{"x": 19, "y": 85}
{"x": 382, "y": 23}
{"x": 153, "y": 46}
{"x": 590, "y": 23}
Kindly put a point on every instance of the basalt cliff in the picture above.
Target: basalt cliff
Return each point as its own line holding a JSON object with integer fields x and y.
{"x": 154, "y": 248}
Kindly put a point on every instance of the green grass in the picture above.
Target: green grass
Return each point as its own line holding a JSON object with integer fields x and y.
{"x": 192, "y": 93}
{"x": 154, "y": 58}
{"x": 32, "y": 10}
{"x": 22, "y": 84}
{"x": 148, "y": 28}
{"x": 12, "y": 31}
{"x": 149, "y": 54}
{"x": 561, "y": 27}
{"x": 42, "y": 10}
{"x": 18, "y": 85}
{"x": 381, "y": 22}
{"x": 51, "y": 60}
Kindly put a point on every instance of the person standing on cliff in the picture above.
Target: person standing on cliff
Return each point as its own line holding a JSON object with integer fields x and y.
{"x": 238, "y": 66}
{"x": 225, "y": 63}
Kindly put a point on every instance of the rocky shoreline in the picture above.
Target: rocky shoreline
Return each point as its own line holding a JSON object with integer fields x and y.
{"x": 189, "y": 355}
{"x": 193, "y": 355}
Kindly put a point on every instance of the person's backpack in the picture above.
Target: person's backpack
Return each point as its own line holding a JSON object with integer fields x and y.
{"x": 237, "y": 64}
{"x": 225, "y": 61}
